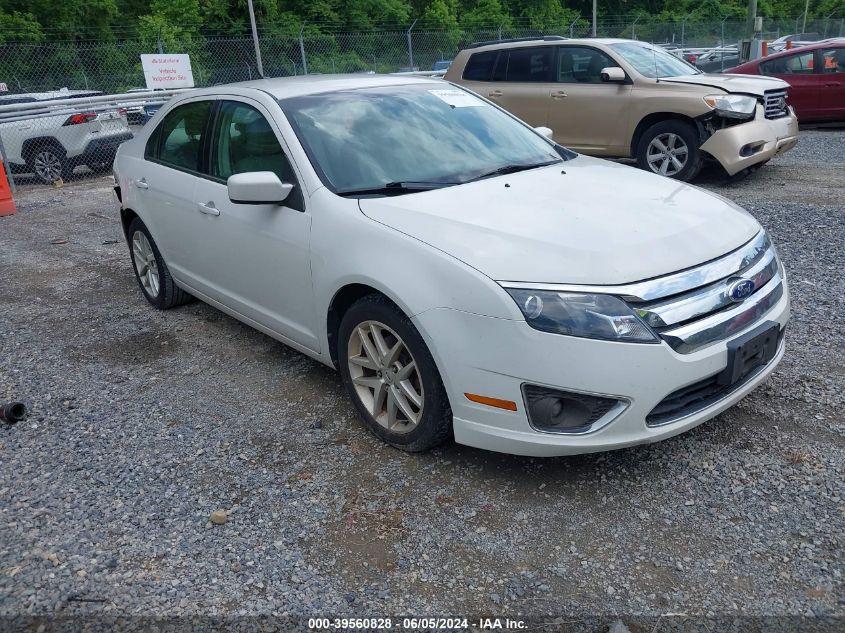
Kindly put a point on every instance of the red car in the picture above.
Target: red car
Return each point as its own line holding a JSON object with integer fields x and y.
{"x": 816, "y": 73}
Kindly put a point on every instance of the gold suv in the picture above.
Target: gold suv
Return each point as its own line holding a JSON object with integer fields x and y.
{"x": 624, "y": 98}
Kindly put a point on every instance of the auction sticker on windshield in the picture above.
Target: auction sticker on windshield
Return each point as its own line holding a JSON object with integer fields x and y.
{"x": 457, "y": 98}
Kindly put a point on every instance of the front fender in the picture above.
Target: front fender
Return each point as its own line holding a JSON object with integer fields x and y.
{"x": 350, "y": 248}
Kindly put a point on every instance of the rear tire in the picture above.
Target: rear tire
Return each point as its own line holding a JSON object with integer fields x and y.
{"x": 49, "y": 163}
{"x": 391, "y": 376}
{"x": 670, "y": 148}
{"x": 151, "y": 271}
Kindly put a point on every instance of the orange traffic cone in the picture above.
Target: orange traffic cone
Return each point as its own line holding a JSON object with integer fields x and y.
{"x": 7, "y": 202}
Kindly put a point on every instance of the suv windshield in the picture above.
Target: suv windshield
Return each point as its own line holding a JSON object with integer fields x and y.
{"x": 653, "y": 61}
{"x": 399, "y": 139}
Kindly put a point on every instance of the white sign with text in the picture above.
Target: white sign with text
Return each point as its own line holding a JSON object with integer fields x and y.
{"x": 168, "y": 71}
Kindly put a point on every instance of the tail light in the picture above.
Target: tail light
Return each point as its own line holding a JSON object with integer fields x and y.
{"x": 82, "y": 117}
{"x": 122, "y": 111}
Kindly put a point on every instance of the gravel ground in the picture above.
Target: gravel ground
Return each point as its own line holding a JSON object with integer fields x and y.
{"x": 143, "y": 423}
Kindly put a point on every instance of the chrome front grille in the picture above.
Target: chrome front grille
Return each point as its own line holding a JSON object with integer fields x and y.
{"x": 697, "y": 307}
{"x": 705, "y": 311}
{"x": 774, "y": 103}
{"x": 707, "y": 299}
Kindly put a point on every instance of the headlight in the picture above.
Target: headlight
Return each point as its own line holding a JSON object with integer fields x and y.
{"x": 590, "y": 316}
{"x": 732, "y": 106}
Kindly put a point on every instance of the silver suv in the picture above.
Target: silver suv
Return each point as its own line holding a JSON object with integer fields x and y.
{"x": 52, "y": 142}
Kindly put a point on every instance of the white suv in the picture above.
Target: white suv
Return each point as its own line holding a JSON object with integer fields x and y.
{"x": 51, "y": 143}
{"x": 467, "y": 276}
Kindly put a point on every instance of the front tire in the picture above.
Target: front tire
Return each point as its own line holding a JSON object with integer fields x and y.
{"x": 151, "y": 272}
{"x": 391, "y": 377}
{"x": 670, "y": 148}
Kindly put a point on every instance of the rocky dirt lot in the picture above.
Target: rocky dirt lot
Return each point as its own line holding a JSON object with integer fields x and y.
{"x": 143, "y": 422}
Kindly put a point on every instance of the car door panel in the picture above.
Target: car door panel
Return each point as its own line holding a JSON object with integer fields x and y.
{"x": 590, "y": 118}
{"x": 255, "y": 257}
{"x": 832, "y": 84}
{"x": 519, "y": 81}
{"x": 832, "y": 97}
{"x": 523, "y": 100}
{"x": 166, "y": 183}
{"x": 804, "y": 95}
{"x": 585, "y": 113}
{"x": 167, "y": 196}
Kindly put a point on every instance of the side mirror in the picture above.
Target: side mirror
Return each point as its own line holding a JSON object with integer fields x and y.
{"x": 257, "y": 187}
{"x": 612, "y": 74}
{"x": 544, "y": 131}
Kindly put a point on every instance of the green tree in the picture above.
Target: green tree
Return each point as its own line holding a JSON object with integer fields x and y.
{"x": 486, "y": 14}
{"x": 67, "y": 19}
{"x": 367, "y": 14}
{"x": 441, "y": 15}
{"x": 19, "y": 27}
{"x": 171, "y": 22}
{"x": 543, "y": 15}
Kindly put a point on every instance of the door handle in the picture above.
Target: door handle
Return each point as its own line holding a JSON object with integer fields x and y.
{"x": 560, "y": 94}
{"x": 832, "y": 84}
{"x": 495, "y": 93}
{"x": 141, "y": 184}
{"x": 208, "y": 208}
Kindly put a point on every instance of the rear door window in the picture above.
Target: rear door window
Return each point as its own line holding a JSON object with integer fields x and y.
{"x": 179, "y": 139}
{"x": 525, "y": 65}
{"x": 480, "y": 66}
{"x": 833, "y": 60}
{"x": 798, "y": 64}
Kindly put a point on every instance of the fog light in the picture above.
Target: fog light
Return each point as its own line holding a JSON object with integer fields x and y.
{"x": 750, "y": 149}
{"x": 564, "y": 411}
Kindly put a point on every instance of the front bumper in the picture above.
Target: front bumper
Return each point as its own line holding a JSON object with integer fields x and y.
{"x": 496, "y": 357}
{"x": 747, "y": 144}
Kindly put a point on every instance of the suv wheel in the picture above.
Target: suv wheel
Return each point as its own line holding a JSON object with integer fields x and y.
{"x": 391, "y": 376}
{"x": 150, "y": 270}
{"x": 670, "y": 148}
{"x": 50, "y": 163}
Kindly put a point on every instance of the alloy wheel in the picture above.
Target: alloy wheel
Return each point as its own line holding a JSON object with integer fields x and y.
{"x": 386, "y": 376}
{"x": 667, "y": 154}
{"x": 47, "y": 165}
{"x": 145, "y": 263}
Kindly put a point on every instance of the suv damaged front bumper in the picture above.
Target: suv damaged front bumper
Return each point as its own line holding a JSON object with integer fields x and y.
{"x": 747, "y": 144}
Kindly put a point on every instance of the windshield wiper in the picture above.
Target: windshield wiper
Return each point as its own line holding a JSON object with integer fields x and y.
{"x": 512, "y": 169}
{"x": 397, "y": 188}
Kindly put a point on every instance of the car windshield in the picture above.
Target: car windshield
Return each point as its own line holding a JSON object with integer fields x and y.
{"x": 422, "y": 135}
{"x": 653, "y": 61}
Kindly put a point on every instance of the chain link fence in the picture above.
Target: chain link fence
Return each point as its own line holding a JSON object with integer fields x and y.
{"x": 53, "y": 142}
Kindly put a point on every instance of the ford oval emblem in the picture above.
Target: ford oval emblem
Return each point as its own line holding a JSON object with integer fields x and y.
{"x": 740, "y": 289}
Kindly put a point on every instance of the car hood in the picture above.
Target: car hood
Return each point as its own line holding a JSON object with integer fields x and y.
{"x": 744, "y": 84}
{"x": 597, "y": 223}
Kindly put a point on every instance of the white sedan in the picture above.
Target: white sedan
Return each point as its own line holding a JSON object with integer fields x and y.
{"x": 468, "y": 277}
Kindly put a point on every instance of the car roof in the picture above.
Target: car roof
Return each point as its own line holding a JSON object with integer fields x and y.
{"x": 51, "y": 95}
{"x": 300, "y": 85}
{"x": 832, "y": 42}
{"x": 555, "y": 42}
